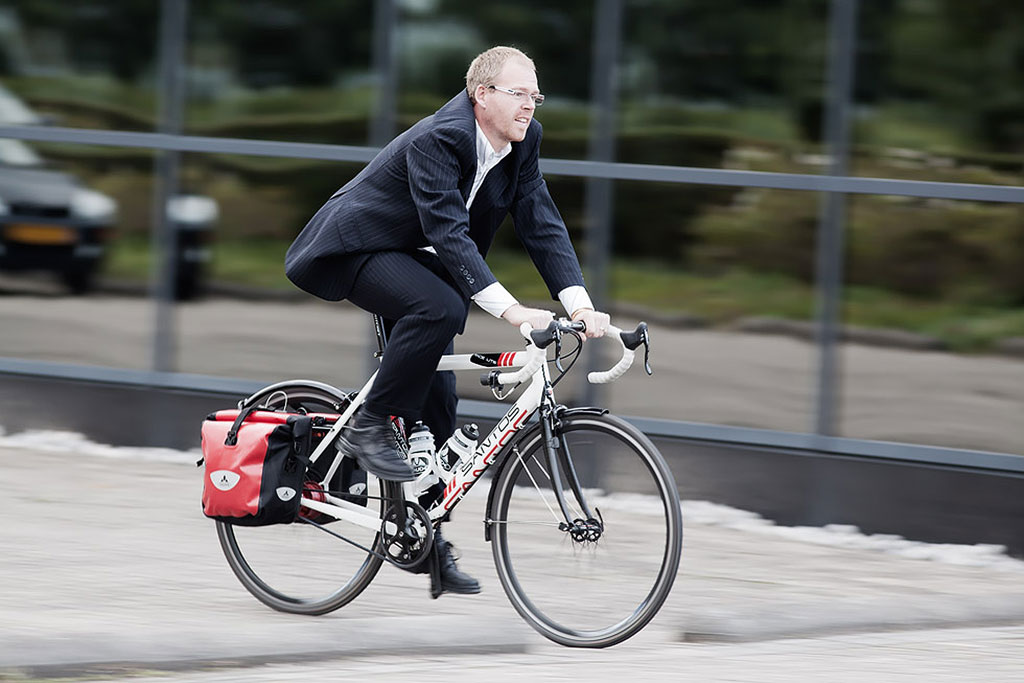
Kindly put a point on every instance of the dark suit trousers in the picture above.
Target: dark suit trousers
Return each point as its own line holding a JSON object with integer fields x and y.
{"x": 423, "y": 311}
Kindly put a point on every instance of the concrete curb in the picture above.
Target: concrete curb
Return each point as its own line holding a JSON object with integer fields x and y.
{"x": 1011, "y": 346}
{"x": 97, "y": 653}
{"x": 816, "y": 619}
{"x": 806, "y": 330}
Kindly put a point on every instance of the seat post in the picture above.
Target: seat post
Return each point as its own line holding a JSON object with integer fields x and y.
{"x": 382, "y": 336}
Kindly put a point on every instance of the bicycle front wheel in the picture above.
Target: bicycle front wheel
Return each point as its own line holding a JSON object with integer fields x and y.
{"x": 604, "y": 583}
{"x": 298, "y": 567}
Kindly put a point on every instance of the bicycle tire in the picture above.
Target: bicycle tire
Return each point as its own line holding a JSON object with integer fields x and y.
{"x": 297, "y": 567}
{"x": 590, "y": 594}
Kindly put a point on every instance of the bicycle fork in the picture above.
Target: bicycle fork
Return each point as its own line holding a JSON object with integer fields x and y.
{"x": 590, "y": 526}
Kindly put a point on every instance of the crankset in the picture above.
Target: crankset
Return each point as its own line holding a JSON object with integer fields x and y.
{"x": 412, "y": 534}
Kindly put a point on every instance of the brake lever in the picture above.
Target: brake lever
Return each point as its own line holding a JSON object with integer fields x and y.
{"x": 646, "y": 340}
{"x": 558, "y": 353}
{"x": 632, "y": 340}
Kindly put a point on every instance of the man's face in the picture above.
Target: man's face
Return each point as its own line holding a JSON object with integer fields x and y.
{"x": 503, "y": 117}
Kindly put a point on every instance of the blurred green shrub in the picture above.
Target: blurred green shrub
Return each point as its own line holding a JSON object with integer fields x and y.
{"x": 969, "y": 251}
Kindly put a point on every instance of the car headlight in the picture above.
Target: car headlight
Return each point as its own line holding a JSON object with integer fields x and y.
{"x": 91, "y": 205}
{"x": 192, "y": 209}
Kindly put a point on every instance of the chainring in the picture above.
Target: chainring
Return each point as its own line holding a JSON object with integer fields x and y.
{"x": 407, "y": 547}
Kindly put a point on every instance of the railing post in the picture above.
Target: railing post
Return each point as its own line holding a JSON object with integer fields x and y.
{"x": 599, "y": 194}
{"x": 384, "y": 115}
{"x": 385, "y": 72}
{"x": 832, "y": 217}
{"x": 173, "y": 22}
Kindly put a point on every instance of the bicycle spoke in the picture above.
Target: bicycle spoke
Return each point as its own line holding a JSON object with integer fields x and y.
{"x": 584, "y": 583}
{"x": 294, "y": 567}
{"x": 534, "y": 458}
{"x": 535, "y": 485}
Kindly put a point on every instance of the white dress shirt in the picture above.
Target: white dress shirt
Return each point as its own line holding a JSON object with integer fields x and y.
{"x": 494, "y": 298}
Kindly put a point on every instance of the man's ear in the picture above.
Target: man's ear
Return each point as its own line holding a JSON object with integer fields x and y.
{"x": 481, "y": 95}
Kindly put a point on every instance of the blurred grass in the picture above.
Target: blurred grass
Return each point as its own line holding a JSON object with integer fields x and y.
{"x": 253, "y": 262}
{"x": 719, "y": 299}
{"x": 128, "y": 258}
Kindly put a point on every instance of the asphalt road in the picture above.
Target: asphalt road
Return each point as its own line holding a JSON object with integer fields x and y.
{"x": 713, "y": 376}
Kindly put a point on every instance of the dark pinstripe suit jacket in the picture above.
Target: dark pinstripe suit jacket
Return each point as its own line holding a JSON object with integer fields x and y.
{"x": 413, "y": 194}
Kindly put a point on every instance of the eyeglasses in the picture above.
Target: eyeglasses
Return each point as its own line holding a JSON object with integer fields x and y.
{"x": 520, "y": 96}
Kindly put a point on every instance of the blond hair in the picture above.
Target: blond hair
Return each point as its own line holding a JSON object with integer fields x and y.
{"x": 488, "y": 64}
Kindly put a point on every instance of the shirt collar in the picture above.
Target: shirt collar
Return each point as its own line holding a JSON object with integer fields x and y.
{"x": 484, "y": 152}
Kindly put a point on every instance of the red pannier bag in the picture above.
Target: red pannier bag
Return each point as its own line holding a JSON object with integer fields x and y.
{"x": 255, "y": 465}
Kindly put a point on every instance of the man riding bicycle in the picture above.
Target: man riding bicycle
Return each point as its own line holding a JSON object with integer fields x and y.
{"x": 406, "y": 239}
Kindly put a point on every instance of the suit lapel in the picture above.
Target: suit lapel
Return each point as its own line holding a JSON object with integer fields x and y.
{"x": 495, "y": 185}
{"x": 460, "y": 109}
{"x": 465, "y": 186}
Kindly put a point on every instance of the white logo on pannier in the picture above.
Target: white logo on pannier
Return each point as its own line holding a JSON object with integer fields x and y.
{"x": 224, "y": 480}
{"x": 285, "y": 493}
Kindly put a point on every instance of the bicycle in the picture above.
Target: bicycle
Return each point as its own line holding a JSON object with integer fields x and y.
{"x": 583, "y": 565}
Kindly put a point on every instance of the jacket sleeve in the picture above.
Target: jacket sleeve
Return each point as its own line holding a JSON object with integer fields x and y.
{"x": 540, "y": 226}
{"x": 434, "y": 167}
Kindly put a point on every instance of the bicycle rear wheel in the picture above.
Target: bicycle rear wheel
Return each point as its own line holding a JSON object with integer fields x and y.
{"x": 605, "y": 585}
{"x": 298, "y": 567}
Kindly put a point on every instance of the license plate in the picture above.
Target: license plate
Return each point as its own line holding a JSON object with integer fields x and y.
{"x": 27, "y": 233}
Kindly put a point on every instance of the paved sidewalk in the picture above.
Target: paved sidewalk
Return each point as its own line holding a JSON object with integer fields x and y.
{"x": 991, "y": 655}
{"x": 110, "y": 568}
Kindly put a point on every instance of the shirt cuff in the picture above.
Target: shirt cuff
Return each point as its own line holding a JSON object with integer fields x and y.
{"x": 494, "y": 299}
{"x": 574, "y": 298}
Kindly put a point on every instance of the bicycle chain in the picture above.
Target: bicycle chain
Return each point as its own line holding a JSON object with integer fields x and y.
{"x": 407, "y": 560}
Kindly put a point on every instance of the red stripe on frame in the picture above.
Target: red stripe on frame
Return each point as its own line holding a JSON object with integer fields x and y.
{"x": 452, "y": 492}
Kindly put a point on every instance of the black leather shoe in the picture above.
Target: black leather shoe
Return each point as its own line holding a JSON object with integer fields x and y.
{"x": 452, "y": 580}
{"x": 371, "y": 441}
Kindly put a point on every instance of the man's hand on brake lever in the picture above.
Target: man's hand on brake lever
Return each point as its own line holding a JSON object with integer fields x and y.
{"x": 518, "y": 314}
{"x": 597, "y": 322}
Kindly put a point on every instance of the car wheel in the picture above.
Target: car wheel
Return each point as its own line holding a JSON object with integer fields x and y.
{"x": 188, "y": 283}
{"x": 79, "y": 280}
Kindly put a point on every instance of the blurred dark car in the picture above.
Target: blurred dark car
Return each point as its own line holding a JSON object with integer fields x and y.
{"x": 49, "y": 221}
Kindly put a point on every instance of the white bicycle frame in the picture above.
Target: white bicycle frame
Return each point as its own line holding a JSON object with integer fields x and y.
{"x": 533, "y": 366}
